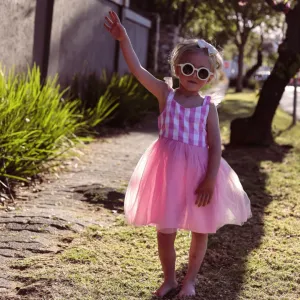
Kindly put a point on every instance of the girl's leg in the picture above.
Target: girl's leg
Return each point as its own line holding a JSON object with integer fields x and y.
{"x": 167, "y": 255}
{"x": 196, "y": 256}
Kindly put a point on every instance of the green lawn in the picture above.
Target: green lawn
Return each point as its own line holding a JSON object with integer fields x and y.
{"x": 260, "y": 260}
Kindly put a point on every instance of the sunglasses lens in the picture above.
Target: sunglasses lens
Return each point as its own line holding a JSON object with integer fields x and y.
{"x": 203, "y": 74}
{"x": 187, "y": 69}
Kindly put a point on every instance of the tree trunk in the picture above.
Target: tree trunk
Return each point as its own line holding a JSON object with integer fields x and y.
{"x": 257, "y": 129}
{"x": 253, "y": 69}
{"x": 239, "y": 81}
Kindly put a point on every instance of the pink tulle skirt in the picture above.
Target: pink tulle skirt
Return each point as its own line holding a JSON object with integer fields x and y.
{"x": 161, "y": 190}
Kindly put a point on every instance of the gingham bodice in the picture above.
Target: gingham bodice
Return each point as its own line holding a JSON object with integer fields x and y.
{"x": 186, "y": 125}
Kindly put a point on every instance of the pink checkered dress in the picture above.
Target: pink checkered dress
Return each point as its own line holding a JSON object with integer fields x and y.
{"x": 186, "y": 125}
{"x": 161, "y": 191}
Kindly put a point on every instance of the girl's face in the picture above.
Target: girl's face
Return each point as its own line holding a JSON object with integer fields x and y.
{"x": 198, "y": 59}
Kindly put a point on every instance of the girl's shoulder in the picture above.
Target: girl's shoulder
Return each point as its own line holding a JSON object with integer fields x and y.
{"x": 214, "y": 100}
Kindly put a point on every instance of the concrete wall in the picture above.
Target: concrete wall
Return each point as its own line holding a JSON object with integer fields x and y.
{"x": 16, "y": 33}
{"x": 79, "y": 43}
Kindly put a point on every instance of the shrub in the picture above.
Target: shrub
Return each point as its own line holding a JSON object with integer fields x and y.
{"x": 37, "y": 125}
{"x": 133, "y": 100}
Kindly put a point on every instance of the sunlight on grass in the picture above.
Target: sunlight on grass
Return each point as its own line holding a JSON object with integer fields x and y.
{"x": 79, "y": 255}
{"x": 272, "y": 268}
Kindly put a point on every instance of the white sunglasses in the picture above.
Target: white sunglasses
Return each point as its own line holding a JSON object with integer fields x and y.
{"x": 188, "y": 69}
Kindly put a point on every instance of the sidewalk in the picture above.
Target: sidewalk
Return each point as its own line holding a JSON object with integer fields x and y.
{"x": 287, "y": 100}
{"x": 46, "y": 215}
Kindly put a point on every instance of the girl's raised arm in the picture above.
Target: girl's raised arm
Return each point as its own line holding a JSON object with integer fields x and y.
{"x": 155, "y": 86}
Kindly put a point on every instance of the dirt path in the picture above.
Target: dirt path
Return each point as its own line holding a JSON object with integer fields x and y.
{"x": 46, "y": 216}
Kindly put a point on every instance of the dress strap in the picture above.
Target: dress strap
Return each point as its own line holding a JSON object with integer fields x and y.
{"x": 207, "y": 100}
{"x": 206, "y": 107}
{"x": 170, "y": 95}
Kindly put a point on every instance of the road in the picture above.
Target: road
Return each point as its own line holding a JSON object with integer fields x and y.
{"x": 286, "y": 102}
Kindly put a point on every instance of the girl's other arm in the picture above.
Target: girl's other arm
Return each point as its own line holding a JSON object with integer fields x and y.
{"x": 214, "y": 143}
{"x": 205, "y": 189}
{"x": 157, "y": 87}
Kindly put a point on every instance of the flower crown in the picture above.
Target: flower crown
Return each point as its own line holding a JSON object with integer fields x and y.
{"x": 211, "y": 49}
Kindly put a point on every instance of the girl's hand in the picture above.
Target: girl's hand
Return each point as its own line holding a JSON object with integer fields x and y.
{"x": 114, "y": 26}
{"x": 204, "y": 192}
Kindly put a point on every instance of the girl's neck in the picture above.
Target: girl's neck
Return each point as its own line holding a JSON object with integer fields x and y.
{"x": 186, "y": 92}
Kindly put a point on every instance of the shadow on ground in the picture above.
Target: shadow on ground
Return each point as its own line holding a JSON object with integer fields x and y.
{"x": 223, "y": 271}
{"x": 224, "y": 267}
{"x": 101, "y": 196}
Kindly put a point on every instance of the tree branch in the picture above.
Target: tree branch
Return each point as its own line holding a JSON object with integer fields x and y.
{"x": 237, "y": 22}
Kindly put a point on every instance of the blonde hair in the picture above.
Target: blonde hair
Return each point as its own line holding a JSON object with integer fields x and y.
{"x": 216, "y": 60}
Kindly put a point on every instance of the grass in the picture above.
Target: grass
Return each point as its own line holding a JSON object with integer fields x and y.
{"x": 260, "y": 260}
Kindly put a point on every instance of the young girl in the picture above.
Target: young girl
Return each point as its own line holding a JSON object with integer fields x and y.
{"x": 181, "y": 181}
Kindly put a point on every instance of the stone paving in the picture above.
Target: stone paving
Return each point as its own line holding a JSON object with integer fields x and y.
{"x": 90, "y": 191}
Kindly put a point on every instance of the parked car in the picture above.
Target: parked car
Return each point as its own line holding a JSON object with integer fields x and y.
{"x": 262, "y": 75}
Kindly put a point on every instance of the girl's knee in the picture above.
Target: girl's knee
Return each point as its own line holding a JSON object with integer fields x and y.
{"x": 166, "y": 230}
{"x": 199, "y": 235}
